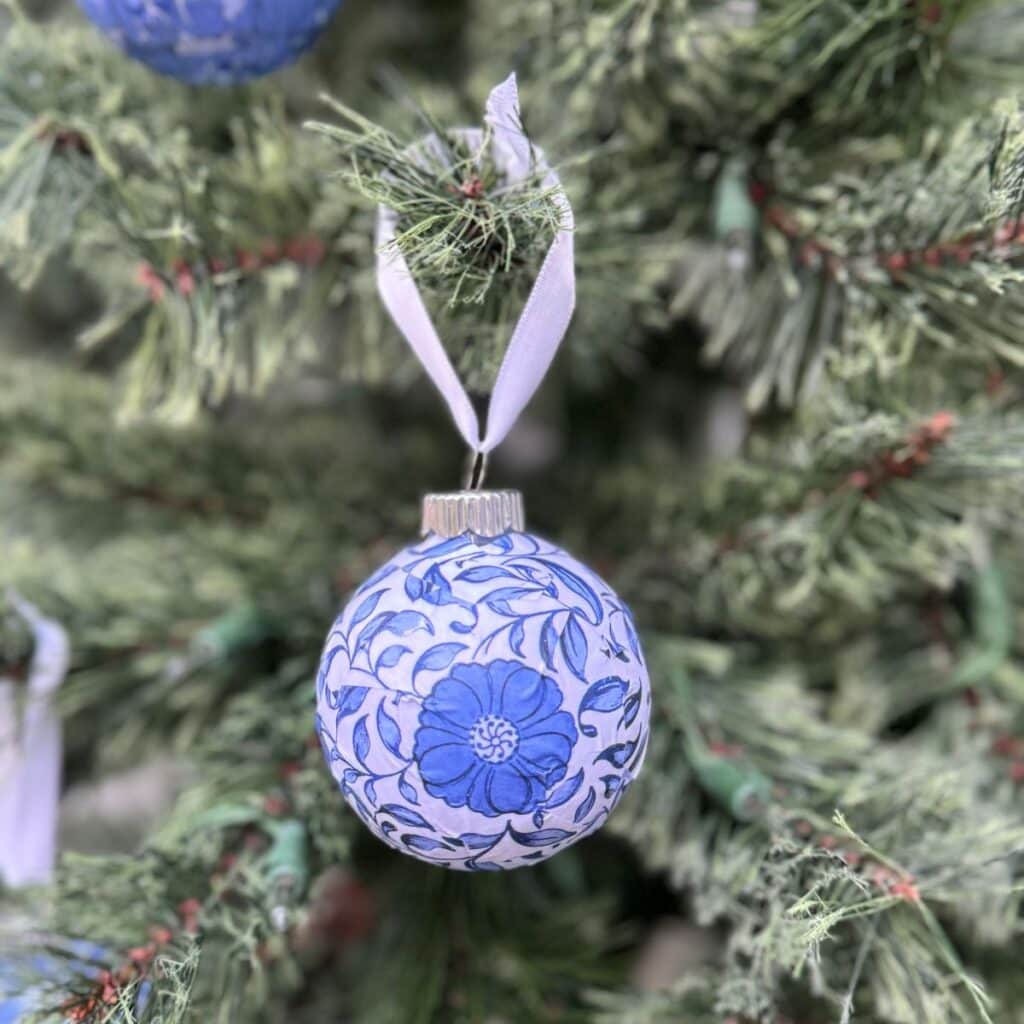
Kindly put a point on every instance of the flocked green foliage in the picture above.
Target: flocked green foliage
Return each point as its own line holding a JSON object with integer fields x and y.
{"x": 801, "y": 216}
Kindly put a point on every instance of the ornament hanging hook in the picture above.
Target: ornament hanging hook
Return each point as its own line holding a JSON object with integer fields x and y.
{"x": 477, "y": 471}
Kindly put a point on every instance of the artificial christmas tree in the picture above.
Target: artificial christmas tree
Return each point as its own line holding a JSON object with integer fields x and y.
{"x": 785, "y": 427}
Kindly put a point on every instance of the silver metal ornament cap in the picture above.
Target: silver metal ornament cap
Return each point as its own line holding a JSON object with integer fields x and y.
{"x": 484, "y": 513}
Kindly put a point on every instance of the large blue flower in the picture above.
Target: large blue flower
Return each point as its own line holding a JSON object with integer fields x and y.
{"x": 493, "y": 737}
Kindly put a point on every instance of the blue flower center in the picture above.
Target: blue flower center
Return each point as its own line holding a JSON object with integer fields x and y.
{"x": 494, "y": 739}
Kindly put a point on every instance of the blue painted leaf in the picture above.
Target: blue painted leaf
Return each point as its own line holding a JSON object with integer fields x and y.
{"x": 407, "y": 622}
{"x": 511, "y": 593}
{"x": 483, "y": 573}
{"x": 639, "y": 754}
{"x": 516, "y": 636}
{"x": 545, "y": 837}
{"x": 381, "y": 574}
{"x": 360, "y": 807}
{"x": 361, "y": 740}
{"x": 503, "y": 543}
{"x": 408, "y": 791}
{"x": 634, "y": 642}
{"x": 387, "y": 827}
{"x": 531, "y": 572}
{"x": 500, "y": 607}
{"x": 371, "y": 629}
{"x": 325, "y": 665}
{"x": 605, "y": 695}
{"x": 391, "y": 656}
{"x": 413, "y": 586}
{"x": 407, "y": 816}
{"x": 549, "y": 641}
{"x": 366, "y": 608}
{"x": 445, "y": 547}
{"x": 436, "y": 589}
{"x": 350, "y": 775}
{"x": 630, "y": 711}
{"x": 422, "y": 843}
{"x": 538, "y": 819}
{"x": 389, "y": 731}
{"x": 584, "y": 808}
{"x": 462, "y": 627}
{"x": 481, "y": 865}
{"x": 437, "y": 657}
{"x": 322, "y": 733}
{"x": 566, "y": 791}
{"x": 574, "y": 647}
{"x": 370, "y": 791}
{"x": 617, "y": 754}
{"x": 350, "y": 700}
{"x": 577, "y": 586}
{"x": 612, "y": 784}
{"x": 478, "y": 840}
{"x": 614, "y": 647}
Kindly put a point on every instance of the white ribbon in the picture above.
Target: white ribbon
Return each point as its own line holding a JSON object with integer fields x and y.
{"x": 545, "y": 317}
{"x": 30, "y": 756}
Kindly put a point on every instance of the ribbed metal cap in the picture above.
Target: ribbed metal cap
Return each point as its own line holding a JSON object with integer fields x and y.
{"x": 485, "y": 513}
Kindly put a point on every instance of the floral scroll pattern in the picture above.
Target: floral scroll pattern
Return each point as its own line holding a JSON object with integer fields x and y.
{"x": 483, "y": 704}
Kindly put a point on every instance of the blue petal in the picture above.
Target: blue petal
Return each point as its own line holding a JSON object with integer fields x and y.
{"x": 458, "y": 698}
{"x": 447, "y": 768}
{"x": 430, "y": 721}
{"x": 526, "y": 696}
{"x": 545, "y": 753}
{"x": 509, "y": 790}
{"x": 547, "y": 712}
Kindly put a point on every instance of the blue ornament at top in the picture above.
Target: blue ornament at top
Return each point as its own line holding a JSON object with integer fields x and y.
{"x": 482, "y": 700}
{"x": 212, "y": 41}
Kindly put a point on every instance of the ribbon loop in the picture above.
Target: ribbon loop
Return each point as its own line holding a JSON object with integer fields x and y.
{"x": 30, "y": 755}
{"x": 545, "y": 317}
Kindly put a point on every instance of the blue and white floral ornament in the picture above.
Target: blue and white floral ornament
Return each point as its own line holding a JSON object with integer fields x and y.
{"x": 212, "y": 41}
{"x": 482, "y": 700}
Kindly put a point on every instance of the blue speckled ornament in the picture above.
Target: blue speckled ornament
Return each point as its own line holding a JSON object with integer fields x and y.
{"x": 483, "y": 703}
{"x": 212, "y": 41}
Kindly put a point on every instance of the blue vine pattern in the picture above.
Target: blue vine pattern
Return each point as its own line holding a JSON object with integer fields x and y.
{"x": 483, "y": 704}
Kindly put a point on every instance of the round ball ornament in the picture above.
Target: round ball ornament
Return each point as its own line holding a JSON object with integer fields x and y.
{"x": 212, "y": 41}
{"x": 482, "y": 700}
